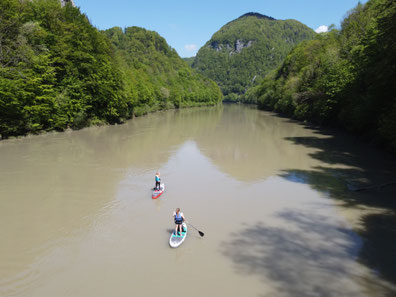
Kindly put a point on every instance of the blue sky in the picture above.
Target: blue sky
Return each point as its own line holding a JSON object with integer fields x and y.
{"x": 187, "y": 25}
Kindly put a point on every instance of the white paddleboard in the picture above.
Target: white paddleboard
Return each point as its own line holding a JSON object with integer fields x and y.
{"x": 177, "y": 240}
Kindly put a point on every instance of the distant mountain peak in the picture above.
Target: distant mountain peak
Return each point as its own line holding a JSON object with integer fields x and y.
{"x": 246, "y": 49}
{"x": 257, "y": 15}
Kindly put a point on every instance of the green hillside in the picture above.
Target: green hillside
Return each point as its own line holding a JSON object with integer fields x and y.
{"x": 246, "y": 49}
{"x": 58, "y": 71}
{"x": 156, "y": 77}
{"x": 344, "y": 77}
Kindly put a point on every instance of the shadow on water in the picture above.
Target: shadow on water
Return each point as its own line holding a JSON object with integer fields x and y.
{"x": 309, "y": 254}
{"x": 350, "y": 165}
{"x": 313, "y": 258}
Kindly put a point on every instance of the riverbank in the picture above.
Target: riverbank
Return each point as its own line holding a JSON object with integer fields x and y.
{"x": 342, "y": 77}
{"x": 69, "y": 74}
{"x": 141, "y": 112}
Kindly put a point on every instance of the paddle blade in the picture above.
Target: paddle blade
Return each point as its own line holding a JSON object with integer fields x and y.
{"x": 201, "y": 233}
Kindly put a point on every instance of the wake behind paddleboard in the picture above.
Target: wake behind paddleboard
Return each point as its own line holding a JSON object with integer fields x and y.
{"x": 157, "y": 193}
{"x": 177, "y": 240}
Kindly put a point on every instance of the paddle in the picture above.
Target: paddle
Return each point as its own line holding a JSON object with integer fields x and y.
{"x": 200, "y": 232}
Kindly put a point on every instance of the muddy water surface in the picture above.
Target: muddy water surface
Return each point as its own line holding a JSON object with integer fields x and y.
{"x": 274, "y": 198}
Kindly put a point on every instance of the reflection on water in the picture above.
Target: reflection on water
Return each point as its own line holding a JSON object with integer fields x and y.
{"x": 271, "y": 195}
{"x": 251, "y": 145}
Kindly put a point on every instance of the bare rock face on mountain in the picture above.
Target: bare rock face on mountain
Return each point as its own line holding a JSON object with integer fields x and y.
{"x": 243, "y": 51}
{"x": 239, "y": 45}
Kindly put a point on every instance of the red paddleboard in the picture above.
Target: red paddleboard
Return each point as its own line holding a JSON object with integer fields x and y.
{"x": 157, "y": 193}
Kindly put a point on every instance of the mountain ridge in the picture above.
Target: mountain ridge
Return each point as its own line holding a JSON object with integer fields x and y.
{"x": 257, "y": 15}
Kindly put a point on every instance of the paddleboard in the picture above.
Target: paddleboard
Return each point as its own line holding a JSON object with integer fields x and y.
{"x": 157, "y": 193}
{"x": 176, "y": 240}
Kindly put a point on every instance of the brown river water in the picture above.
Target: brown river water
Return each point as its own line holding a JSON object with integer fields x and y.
{"x": 275, "y": 199}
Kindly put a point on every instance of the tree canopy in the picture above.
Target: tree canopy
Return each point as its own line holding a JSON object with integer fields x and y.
{"x": 345, "y": 77}
{"x": 58, "y": 71}
{"x": 156, "y": 77}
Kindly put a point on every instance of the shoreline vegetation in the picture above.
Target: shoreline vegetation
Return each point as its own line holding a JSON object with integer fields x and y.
{"x": 44, "y": 132}
{"x": 344, "y": 78}
{"x": 57, "y": 71}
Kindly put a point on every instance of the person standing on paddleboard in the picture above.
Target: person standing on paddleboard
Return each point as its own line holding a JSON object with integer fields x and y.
{"x": 179, "y": 219}
{"x": 157, "y": 181}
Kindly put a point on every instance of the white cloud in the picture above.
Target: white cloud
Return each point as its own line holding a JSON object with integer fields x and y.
{"x": 322, "y": 29}
{"x": 190, "y": 47}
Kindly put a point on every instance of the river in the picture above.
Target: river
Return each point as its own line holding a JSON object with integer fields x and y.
{"x": 274, "y": 198}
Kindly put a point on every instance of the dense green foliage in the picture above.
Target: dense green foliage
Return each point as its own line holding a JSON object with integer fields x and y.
{"x": 58, "y": 71}
{"x": 244, "y": 50}
{"x": 157, "y": 77}
{"x": 189, "y": 60}
{"x": 344, "y": 77}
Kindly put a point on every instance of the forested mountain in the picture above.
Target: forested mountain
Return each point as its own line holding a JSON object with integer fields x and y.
{"x": 246, "y": 49}
{"x": 58, "y": 71}
{"x": 156, "y": 77}
{"x": 345, "y": 77}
